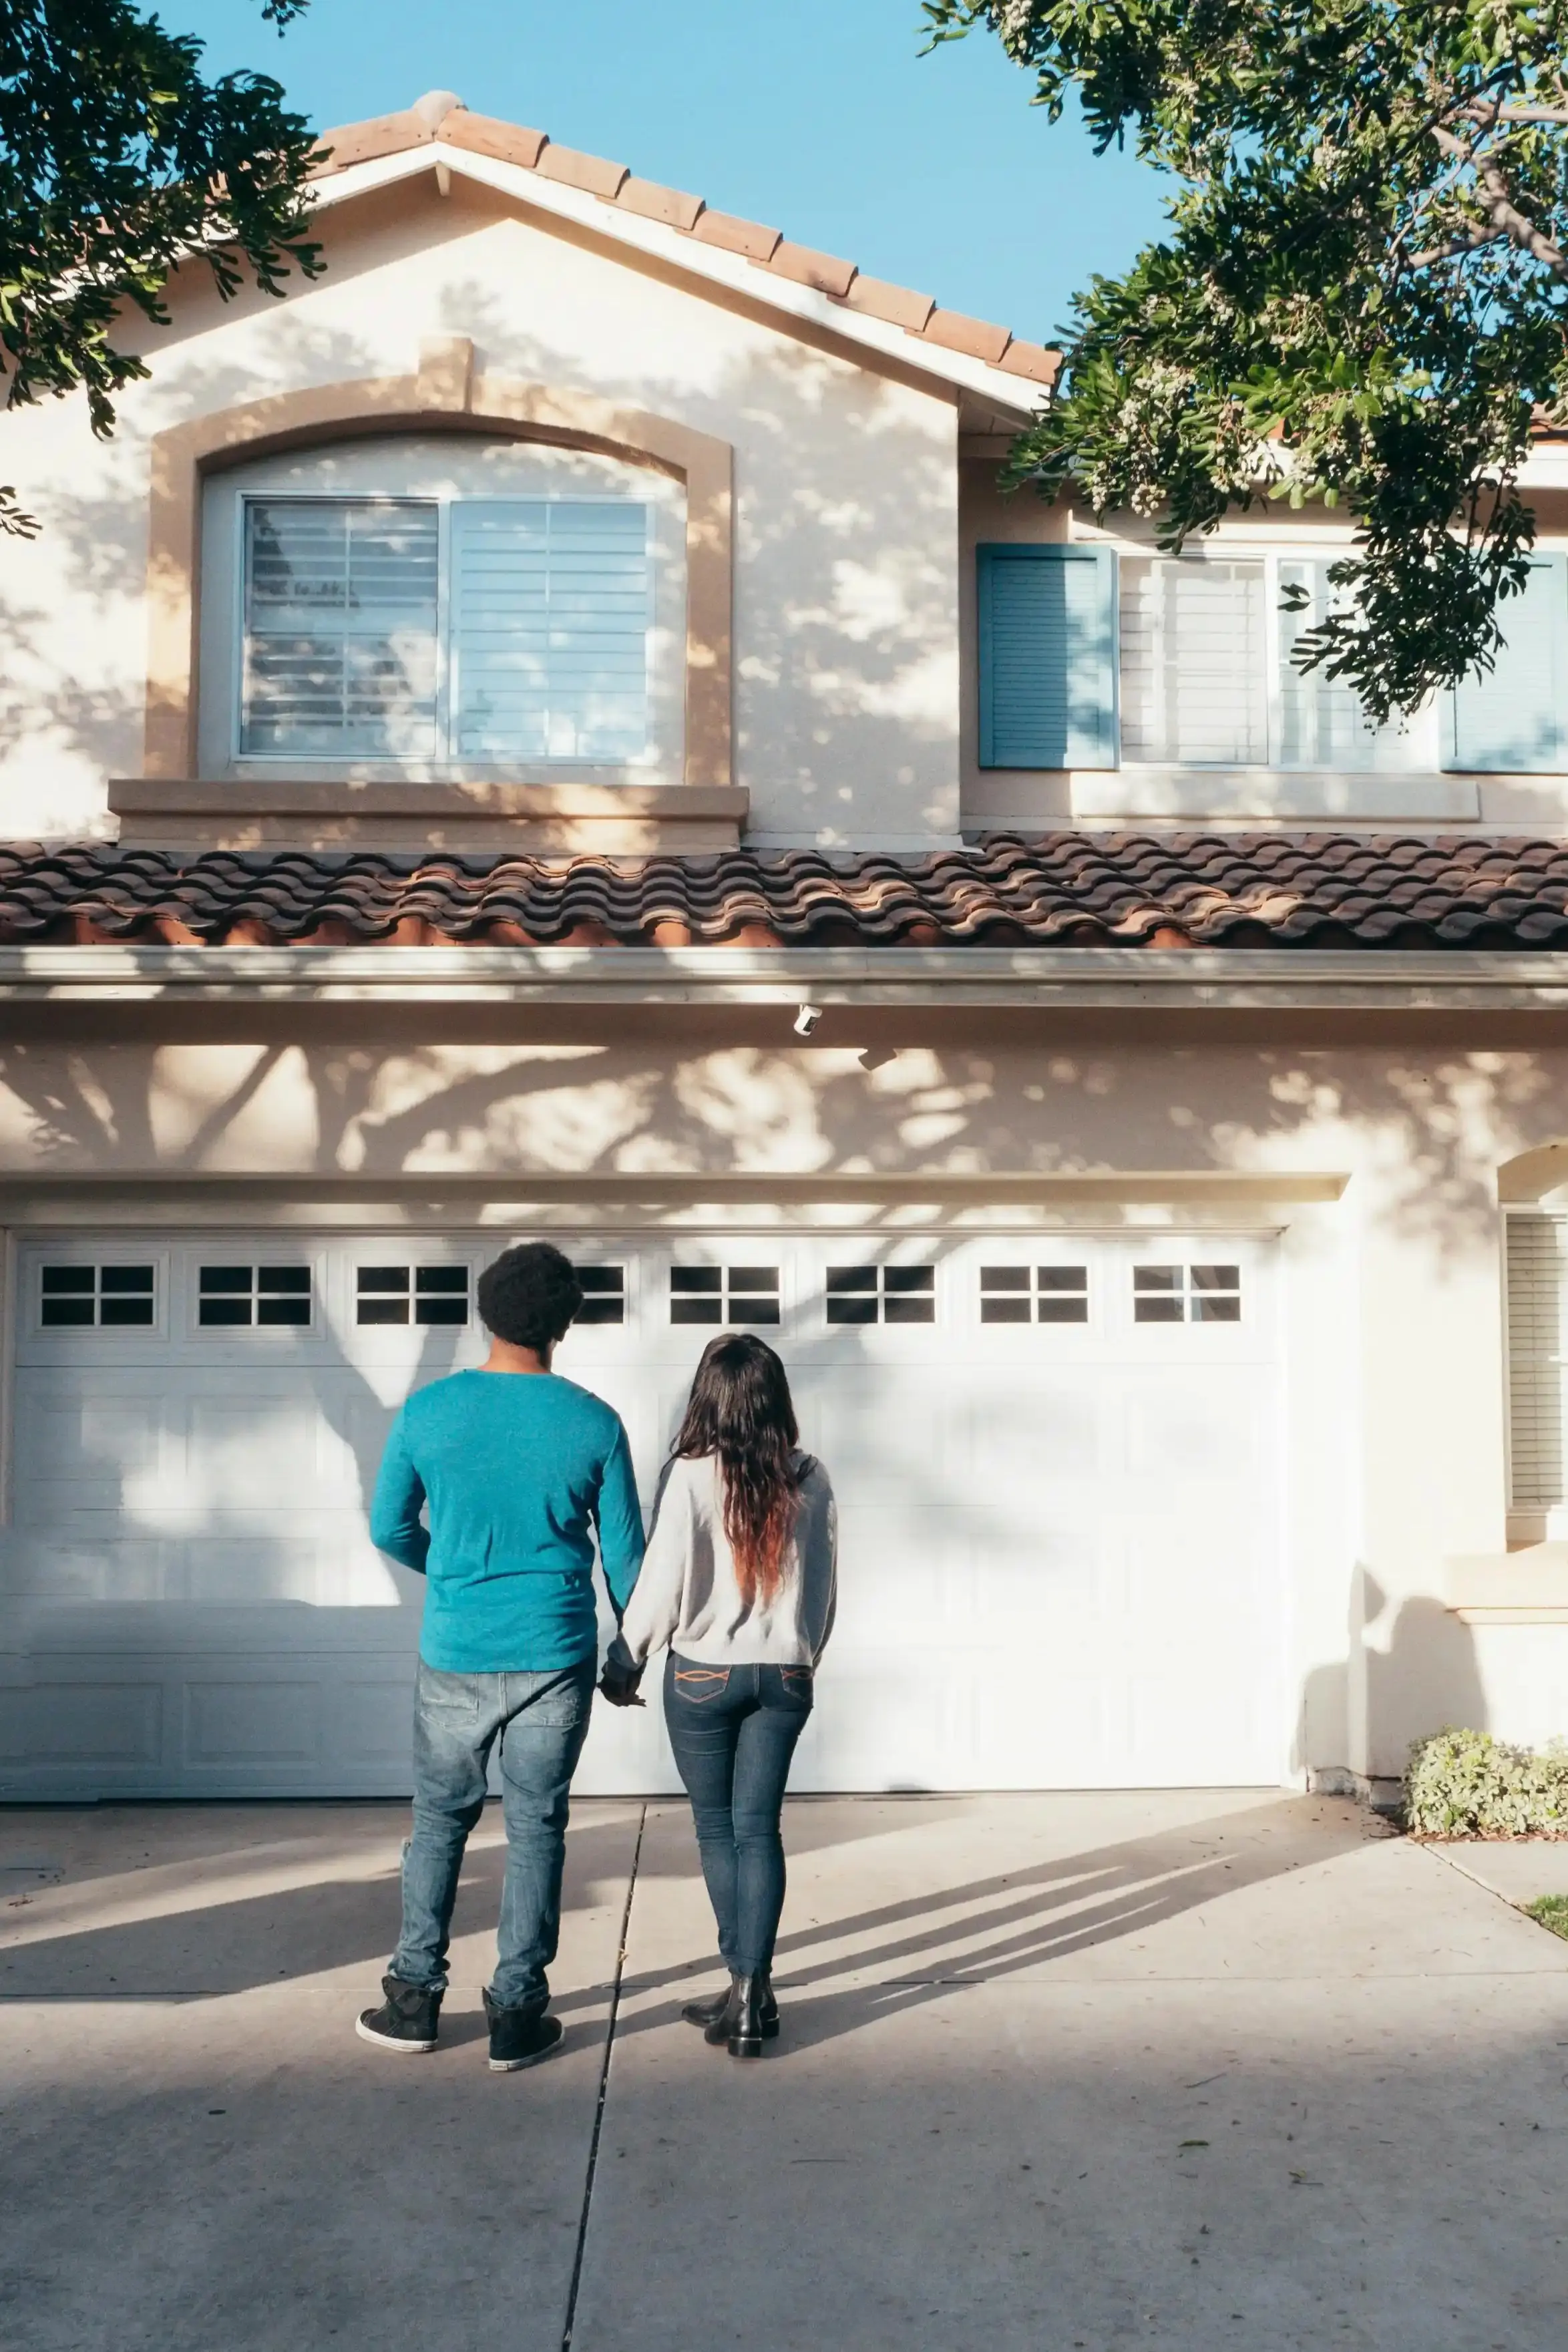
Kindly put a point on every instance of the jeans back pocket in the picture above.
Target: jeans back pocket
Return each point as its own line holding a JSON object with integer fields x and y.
{"x": 699, "y": 1684}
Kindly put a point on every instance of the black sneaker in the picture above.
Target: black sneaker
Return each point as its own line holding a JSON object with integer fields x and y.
{"x": 520, "y": 2037}
{"x": 406, "y": 2020}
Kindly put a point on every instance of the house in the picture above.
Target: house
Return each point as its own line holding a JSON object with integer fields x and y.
{"x": 552, "y": 728}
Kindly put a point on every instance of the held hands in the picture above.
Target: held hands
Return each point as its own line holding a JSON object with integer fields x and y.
{"x": 618, "y": 1682}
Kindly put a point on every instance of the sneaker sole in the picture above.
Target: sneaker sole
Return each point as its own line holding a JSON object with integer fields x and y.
{"x": 516, "y": 2065}
{"x": 386, "y": 2041}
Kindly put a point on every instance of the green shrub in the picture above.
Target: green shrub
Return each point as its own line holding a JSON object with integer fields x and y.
{"x": 1551, "y": 1911}
{"x": 1462, "y": 1784}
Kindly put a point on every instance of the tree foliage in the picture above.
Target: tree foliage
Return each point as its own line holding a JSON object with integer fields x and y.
{"x": 118, "y": 161}
{"x": 1362, "y": 297}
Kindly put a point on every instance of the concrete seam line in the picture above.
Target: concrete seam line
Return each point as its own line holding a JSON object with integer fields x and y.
{"x": 566, "y": 2333}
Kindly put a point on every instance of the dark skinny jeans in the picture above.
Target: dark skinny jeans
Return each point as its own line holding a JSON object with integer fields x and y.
{"x": 733, "y": 1730}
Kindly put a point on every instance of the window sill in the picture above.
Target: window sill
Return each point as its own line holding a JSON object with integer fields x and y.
{"x": 1136, "y": 791}
{"x": 1509, "y": 1588}
{"x": 615, "y": 820}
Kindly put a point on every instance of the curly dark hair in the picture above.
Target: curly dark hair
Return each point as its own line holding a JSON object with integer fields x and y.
{"x": 740, "y": 1410}
{"x": 530, "y": 1295}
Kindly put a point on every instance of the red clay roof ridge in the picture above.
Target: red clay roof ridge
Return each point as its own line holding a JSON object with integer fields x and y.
{"x": 441, "y": 114}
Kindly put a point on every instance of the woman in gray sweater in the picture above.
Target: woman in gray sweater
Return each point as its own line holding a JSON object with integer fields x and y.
{"x": 739, "y": 1580}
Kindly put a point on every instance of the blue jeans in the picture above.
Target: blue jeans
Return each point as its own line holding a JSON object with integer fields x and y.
{"x": 541, "y": 1721}
{"x": 733, "y": 1730}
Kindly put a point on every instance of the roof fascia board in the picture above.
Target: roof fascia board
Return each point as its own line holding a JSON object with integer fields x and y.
{"x": 1125, "y": 979}
{"x": 731, "y": 270}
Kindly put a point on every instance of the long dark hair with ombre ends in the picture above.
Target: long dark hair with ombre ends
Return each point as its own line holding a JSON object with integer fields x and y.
{"x": 739, "y": 1409}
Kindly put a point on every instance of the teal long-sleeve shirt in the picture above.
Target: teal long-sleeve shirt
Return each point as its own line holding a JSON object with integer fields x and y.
{"x": 518, "y": 1470}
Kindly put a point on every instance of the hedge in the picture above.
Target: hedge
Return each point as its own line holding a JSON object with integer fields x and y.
{"x": 1461, "y": 1784}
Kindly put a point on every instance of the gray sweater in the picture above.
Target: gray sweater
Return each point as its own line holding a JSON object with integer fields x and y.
{"x": 687, "y": 1594}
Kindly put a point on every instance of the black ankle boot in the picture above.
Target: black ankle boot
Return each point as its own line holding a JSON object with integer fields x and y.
{"x": 739, "y": 2025}
{"x": 704, "y": 2013}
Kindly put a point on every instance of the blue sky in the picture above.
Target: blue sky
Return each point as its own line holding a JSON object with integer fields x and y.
{"x": 817, "y": 116}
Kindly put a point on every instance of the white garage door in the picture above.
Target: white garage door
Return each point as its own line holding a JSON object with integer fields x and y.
{"x": 1056, "y": 1460}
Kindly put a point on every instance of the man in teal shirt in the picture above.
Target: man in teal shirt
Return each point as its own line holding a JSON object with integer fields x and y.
{"x": 516, "y": 1470}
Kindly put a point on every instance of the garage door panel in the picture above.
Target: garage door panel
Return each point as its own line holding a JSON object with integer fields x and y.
{"x": 1033, "y": 1433}
{"x": 369, "y": 1723}
{"x": 111, "y": 1723}
{"x": 1206, "y": 1427}
{"x": 74, "y": 1566}
{"x": 83, "y": 1449}
{"x": 255, "y": 1721}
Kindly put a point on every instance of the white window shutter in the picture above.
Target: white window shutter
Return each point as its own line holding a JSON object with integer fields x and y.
{"x": 1321, "y": 724}
{"x": 1537, "y": 1293}
{"x": 340, "y": 628}
{"x": 551, "y": 614}
{"x": 1194, "y": 688}
{"x": 1515, "y": 716}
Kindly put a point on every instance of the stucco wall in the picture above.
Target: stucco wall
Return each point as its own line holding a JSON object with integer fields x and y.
{"x": 846, "y": 596}
{"x": 1395, "y": 1435}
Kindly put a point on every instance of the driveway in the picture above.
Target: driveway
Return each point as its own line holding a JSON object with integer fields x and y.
{"x": 1186, "y": 2071}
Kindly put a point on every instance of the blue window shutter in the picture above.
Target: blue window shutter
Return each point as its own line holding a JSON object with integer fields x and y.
{"x": 1516, "y": 716}
{"x": 1047, "y": 656}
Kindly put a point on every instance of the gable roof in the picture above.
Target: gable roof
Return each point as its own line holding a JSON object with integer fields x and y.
{"x": 970, "y": 352}
{"x": 1320, "y": 890}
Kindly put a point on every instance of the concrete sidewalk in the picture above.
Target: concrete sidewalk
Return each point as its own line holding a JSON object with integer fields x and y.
{"x": 1060, "y": 2072}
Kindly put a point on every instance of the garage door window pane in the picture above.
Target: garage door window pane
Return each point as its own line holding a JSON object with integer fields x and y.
{"x": 1186, "y": 1294}
{"x": 881, "y": 1294}
{"x": 383, "y": 1295}
{"x": 401, "y": 1295}
{"x": 441, "y": 1294}
{"x": 752, "y": 1294}
{"x": 232, "y": 1297}
{"x": 603, "y": 1294}
{"x": 109, "y": 1295}
{"x": 1044, "y": 1294}
{"x": 724, "y": 1294}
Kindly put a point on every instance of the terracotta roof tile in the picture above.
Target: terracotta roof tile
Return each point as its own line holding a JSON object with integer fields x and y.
{"x": 1032, "y": 360}
{"x": 671, "y": 206}
{"x": 896, "y": 304}
{"x": 1063, "y": 889}
{"x": 388, "y": 134}
{"x": 748, "y": 238}
{"x": 509, "y": 142}
{"x": 578, "y": 171}
{"x": 956, "y": 332}
{"x": 808, "y": 267}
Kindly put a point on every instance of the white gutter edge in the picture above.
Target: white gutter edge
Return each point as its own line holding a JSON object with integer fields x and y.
{"x": 686, "y": 253}
{"x": 1131, "y": 978}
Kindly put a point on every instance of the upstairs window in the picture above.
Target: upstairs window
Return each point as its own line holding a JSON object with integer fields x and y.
{"x": 1090, "y": 659}
{"x": 1193, "y": 678}
{"x": 496, "y": 630}
{"x": 430, "y": 608}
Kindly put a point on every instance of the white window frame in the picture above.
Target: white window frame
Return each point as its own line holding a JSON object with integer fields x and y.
{"x": 445, "y": 472}
{"x": 1425, "y": 726}
{"x": 42, "y": 1254}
